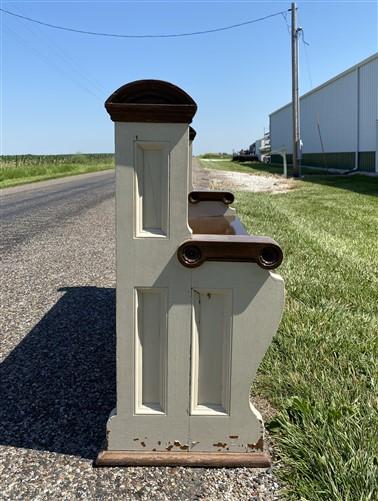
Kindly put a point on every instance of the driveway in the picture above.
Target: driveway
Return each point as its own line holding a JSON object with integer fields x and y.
{"x": 218, "y": 179}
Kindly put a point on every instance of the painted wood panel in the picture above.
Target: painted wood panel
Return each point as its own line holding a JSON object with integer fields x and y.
{"x": 150, "y": 350}
{"x": 211, "y": 351}
{"x": 151, "y": 189}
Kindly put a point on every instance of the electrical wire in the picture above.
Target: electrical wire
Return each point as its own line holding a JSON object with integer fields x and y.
{"x": 63, "y": 55}
{"x": 119, "y": 35}
{"x": 284, "y": 15}
{"x": 307, "y": 58}
{"x": 55, "y": 66}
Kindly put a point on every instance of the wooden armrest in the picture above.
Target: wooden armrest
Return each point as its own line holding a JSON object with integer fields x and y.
{"x": 216, "y": 225}
{"x": 211, "y": 196}
{"x": 233, "y": 248}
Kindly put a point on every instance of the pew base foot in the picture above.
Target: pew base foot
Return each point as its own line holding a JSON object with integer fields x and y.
{"x": 189, "y": 459}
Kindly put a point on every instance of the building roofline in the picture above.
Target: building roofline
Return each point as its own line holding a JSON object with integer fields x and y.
{"x": 331, "y": 80}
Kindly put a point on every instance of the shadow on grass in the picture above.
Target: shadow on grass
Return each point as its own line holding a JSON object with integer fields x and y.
{"x": 261, "y": 167}
{"x": 58, "y": 384}
{"x": 358, "y": 183}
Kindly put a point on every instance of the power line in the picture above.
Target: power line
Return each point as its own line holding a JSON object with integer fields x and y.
{"x": 53, "y": 65}
{"x": 307, "y": 58}
{"x": 119, "y": 35}
{"x": 65, "y": 57}
{"x": 284, "y": 15}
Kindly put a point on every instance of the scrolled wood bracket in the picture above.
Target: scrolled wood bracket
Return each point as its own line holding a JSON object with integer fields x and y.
{"x": 211, "y": 196}
{"x": 263, "y": 251}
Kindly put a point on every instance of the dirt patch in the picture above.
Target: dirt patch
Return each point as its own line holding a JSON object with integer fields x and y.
{"x": 205, "y": 179}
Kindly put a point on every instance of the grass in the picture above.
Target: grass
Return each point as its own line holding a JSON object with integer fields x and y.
{"x": 216, "y": 155}
{"x": 24, "y": 169}
{"x": 257, "y": 168}
{"x": 320, "y": 372}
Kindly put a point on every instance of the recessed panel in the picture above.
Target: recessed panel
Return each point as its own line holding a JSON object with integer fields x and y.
{"x": 152, "y": 189}
{"x": 150, "y": 352}
{"x": 211, "y": 351}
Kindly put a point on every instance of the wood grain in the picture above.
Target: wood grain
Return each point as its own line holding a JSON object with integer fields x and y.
{"x": 193, "y": 459}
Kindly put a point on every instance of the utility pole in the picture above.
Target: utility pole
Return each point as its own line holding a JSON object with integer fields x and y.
{"x": 295, "y": 93}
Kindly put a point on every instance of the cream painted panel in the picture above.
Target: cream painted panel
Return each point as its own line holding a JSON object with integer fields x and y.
{"x": 157, "y": 340}
{"x": 142, "y": 264}
{"x": 257, "y": 305}
{"x": 150, "y": 350}
{"x": 151, "y": 188}
{"x": 211, "y": 351}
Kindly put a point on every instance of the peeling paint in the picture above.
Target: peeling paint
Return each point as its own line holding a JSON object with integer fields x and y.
{"x": 159, "y": 442}
{"x": 234, "y": 436}
{"x": 135, "y": 439}
{"x": 258, "y": 445}
{"x": 169, "y": 447}
{"x": 177, "y": 443}
{"x": 143, "y": 444}
{"x": 220, "y": 444}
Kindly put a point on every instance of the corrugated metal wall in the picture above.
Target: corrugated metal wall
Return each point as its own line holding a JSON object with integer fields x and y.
{"x": 335, "y": 107}
{"x": 368, "y": 105}
{"x": 346, "y": 110}
{"x": 281, "y": 129}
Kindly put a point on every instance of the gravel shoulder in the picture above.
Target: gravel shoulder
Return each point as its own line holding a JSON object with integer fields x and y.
{"x": 58, "y": 365}
{"x": 217, "y": 179}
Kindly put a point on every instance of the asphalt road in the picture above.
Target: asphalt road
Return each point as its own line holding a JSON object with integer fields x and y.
{"x": 28, "y": 211}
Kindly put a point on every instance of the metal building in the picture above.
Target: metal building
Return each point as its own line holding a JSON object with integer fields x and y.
{"x": 339, "y": 121}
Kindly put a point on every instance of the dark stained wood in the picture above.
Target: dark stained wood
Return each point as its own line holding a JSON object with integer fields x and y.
{"x": 211, "y": 196}
{"x": 216, "y": 225}
{"x": 263, "y": 251}
{"x": 193, "y": 459}
{"x": 150, "y": 101}
{"x": 161, "y": 113}
{"x": 192, "y": 134}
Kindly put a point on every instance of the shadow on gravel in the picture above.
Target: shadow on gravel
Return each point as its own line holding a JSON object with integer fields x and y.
{"x": 57, "y": 387}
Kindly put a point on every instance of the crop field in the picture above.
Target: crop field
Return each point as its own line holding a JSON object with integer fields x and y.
{"x": 20, "y": 169}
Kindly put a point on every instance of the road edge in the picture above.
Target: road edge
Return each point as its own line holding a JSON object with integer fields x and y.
{"x": 51, "y": 182}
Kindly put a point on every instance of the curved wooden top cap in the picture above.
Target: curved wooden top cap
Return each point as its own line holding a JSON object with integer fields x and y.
{"x": 151, "y": 101}
{"x": 192, "y": 134}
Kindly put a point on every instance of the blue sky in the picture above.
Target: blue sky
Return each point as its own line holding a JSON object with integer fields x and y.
{"x": 54, "y": 83}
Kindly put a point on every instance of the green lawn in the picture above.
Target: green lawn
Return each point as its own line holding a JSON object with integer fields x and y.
{"x": 15, "y": 170}
{"x": 256, "y": 168}
{"x": 320, "y": 372}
